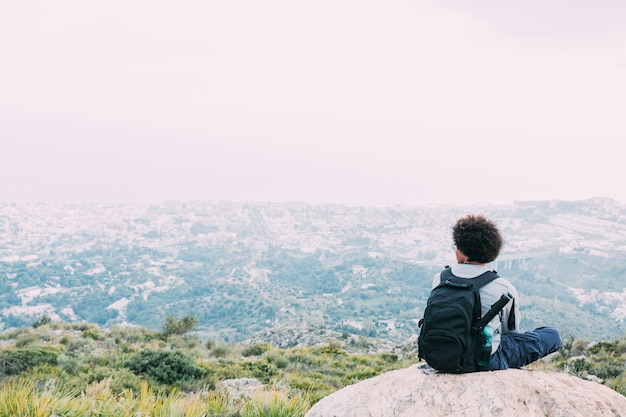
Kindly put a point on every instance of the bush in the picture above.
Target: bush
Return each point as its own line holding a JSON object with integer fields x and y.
{"x": 42, "y": 321}
{"x": 117, "y": 380}
{"x": 164, "y": 367}
{"x": 618, "y": 384}
{"x": 175, "y": 326}
{"x": 82, "y": 326}
{"x": 279, "y": 361}
{"x": 262, "y": 370}
{"x": 220, "y": 351}
{"x": 333, "y": 348}
{"x": 91, "y": 333}
{"x": 607, "y": 366}
{"x": 15, "y": 361}
{"x": 26, "y": 340}
{"x": 256, "y": 349}
{"x": 389, "y": 357}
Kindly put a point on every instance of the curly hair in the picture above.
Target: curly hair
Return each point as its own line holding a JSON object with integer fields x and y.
{"x": 478, "y": 238}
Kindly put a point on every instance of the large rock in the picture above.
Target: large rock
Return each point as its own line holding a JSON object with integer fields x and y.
{"x": 419, "y": 391}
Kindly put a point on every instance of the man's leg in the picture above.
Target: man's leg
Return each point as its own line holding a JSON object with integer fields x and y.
{"x": 519, "y": 349}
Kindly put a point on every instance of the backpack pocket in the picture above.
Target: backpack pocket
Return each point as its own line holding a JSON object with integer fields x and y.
{"x": 445, "y": 340}
{"x": 443, "y": 352}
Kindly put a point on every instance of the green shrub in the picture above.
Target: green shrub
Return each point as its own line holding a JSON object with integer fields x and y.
{"x": 279, "y": 361}
{"x": 15, "y": 361}
{"x": 333, "y": 348}
{"x": 389, "y": 357}
{"x": 117, "y": 380}
{"x": 220, "y": 351}
{"x": 607, "y": 366}
{"x": 609, "y": 348}
{"x": 26, "y": 340}
{"x": 42, "y": 321}
{"x": 92, "y": 334}
{"x": 165, "y": 367}
{"x": 577, "y": 365}
{"x": 359, "y": 374}
{"x": 261, "y": 370}
{"x": 621, "y": 346}
{"x": 256, "y": 349}
{"x": 68, "y": 364}
{"x": 82, "y": 326}
{"x": 45, "y": 376}
{"x": 128, "y": 334}
{"x": 79, "y": 347}
{"x": 176, "y": 326}
{"x": 14, "y": 333}
{"x": 618, "y": 384}
{"x": 191, "y": 342}
{"x": 304, "y": 356}
{"x": 225, "y": 369}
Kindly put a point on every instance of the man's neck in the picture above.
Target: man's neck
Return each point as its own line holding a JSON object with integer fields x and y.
{"x": 472, "y": 263}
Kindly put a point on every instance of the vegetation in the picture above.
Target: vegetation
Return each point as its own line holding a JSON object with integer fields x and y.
{"x": 603, "y": 362}
{"x": 174, "y": 325}
{"x": 166, "y": 367}
{"x": 79, "y": 369}
{"x": 242, "y": 268}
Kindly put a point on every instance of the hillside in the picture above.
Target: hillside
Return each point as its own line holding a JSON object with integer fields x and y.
{"x": 73, "y": 369}
{"x": 250, "y": 269}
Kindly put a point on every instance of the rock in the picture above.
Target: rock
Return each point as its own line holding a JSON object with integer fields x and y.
{"x": 241, "y": 387}
{"x": 419, "y": 391}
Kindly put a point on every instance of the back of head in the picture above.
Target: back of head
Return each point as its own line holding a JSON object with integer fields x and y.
{"x": 478, "y": 238}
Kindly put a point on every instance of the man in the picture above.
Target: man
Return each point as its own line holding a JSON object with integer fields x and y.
{"x": 477, "y": 241}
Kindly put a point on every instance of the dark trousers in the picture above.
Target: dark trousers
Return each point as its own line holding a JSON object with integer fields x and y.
{"x": 519, "y": 349}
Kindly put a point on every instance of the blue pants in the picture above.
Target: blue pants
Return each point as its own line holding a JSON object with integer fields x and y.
{"x": 519, "y": 349}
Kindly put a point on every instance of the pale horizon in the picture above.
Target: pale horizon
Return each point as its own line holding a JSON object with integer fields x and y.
{"x": 410, "y": 103}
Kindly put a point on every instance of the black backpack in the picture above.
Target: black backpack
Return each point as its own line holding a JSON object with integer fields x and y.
{"x": 452, "y": 336}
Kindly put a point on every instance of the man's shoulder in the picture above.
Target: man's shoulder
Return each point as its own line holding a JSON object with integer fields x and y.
{"x": 501, "y": 284}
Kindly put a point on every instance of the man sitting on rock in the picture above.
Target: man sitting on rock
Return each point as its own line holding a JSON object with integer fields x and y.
{"x": 477, "y": 241}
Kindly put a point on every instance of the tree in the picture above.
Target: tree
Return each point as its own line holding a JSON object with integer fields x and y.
{"x": 175, "y": 326}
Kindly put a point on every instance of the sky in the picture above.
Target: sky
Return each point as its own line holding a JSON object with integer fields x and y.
{"x": 349, "y": 102}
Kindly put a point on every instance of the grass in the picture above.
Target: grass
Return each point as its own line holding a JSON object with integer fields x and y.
{"x": 79, "y": 370}
{"x": 20, "y": 398}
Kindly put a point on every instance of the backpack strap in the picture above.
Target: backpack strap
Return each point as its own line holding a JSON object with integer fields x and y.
{"x": 511, "y": 322}
{"x": 485, "y": 278}
{"x": 445, "y": 274}
{"x": 494, "y": 310}
{"x": 479, "y": 281}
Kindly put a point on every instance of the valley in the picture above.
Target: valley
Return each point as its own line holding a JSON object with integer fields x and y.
{"x": 246, "y": 268}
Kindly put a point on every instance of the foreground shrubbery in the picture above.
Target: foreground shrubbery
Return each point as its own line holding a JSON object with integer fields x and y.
{"x": 603, "y": 362}
{"x": 79, "y": 369}
{"x": 21, "y": 397}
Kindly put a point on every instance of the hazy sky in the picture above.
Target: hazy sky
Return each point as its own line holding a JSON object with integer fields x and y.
{"x": 359, "y": 102}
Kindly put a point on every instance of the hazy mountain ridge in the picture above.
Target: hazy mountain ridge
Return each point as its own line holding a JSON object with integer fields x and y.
{"x": 244, "y": 267}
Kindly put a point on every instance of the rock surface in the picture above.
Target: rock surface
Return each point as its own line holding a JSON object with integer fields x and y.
{"x": 419, "y": 391}
{"x": 242, "y": 387}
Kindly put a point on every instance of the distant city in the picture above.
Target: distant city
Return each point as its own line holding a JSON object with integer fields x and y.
{"x": 271, "y": 263}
